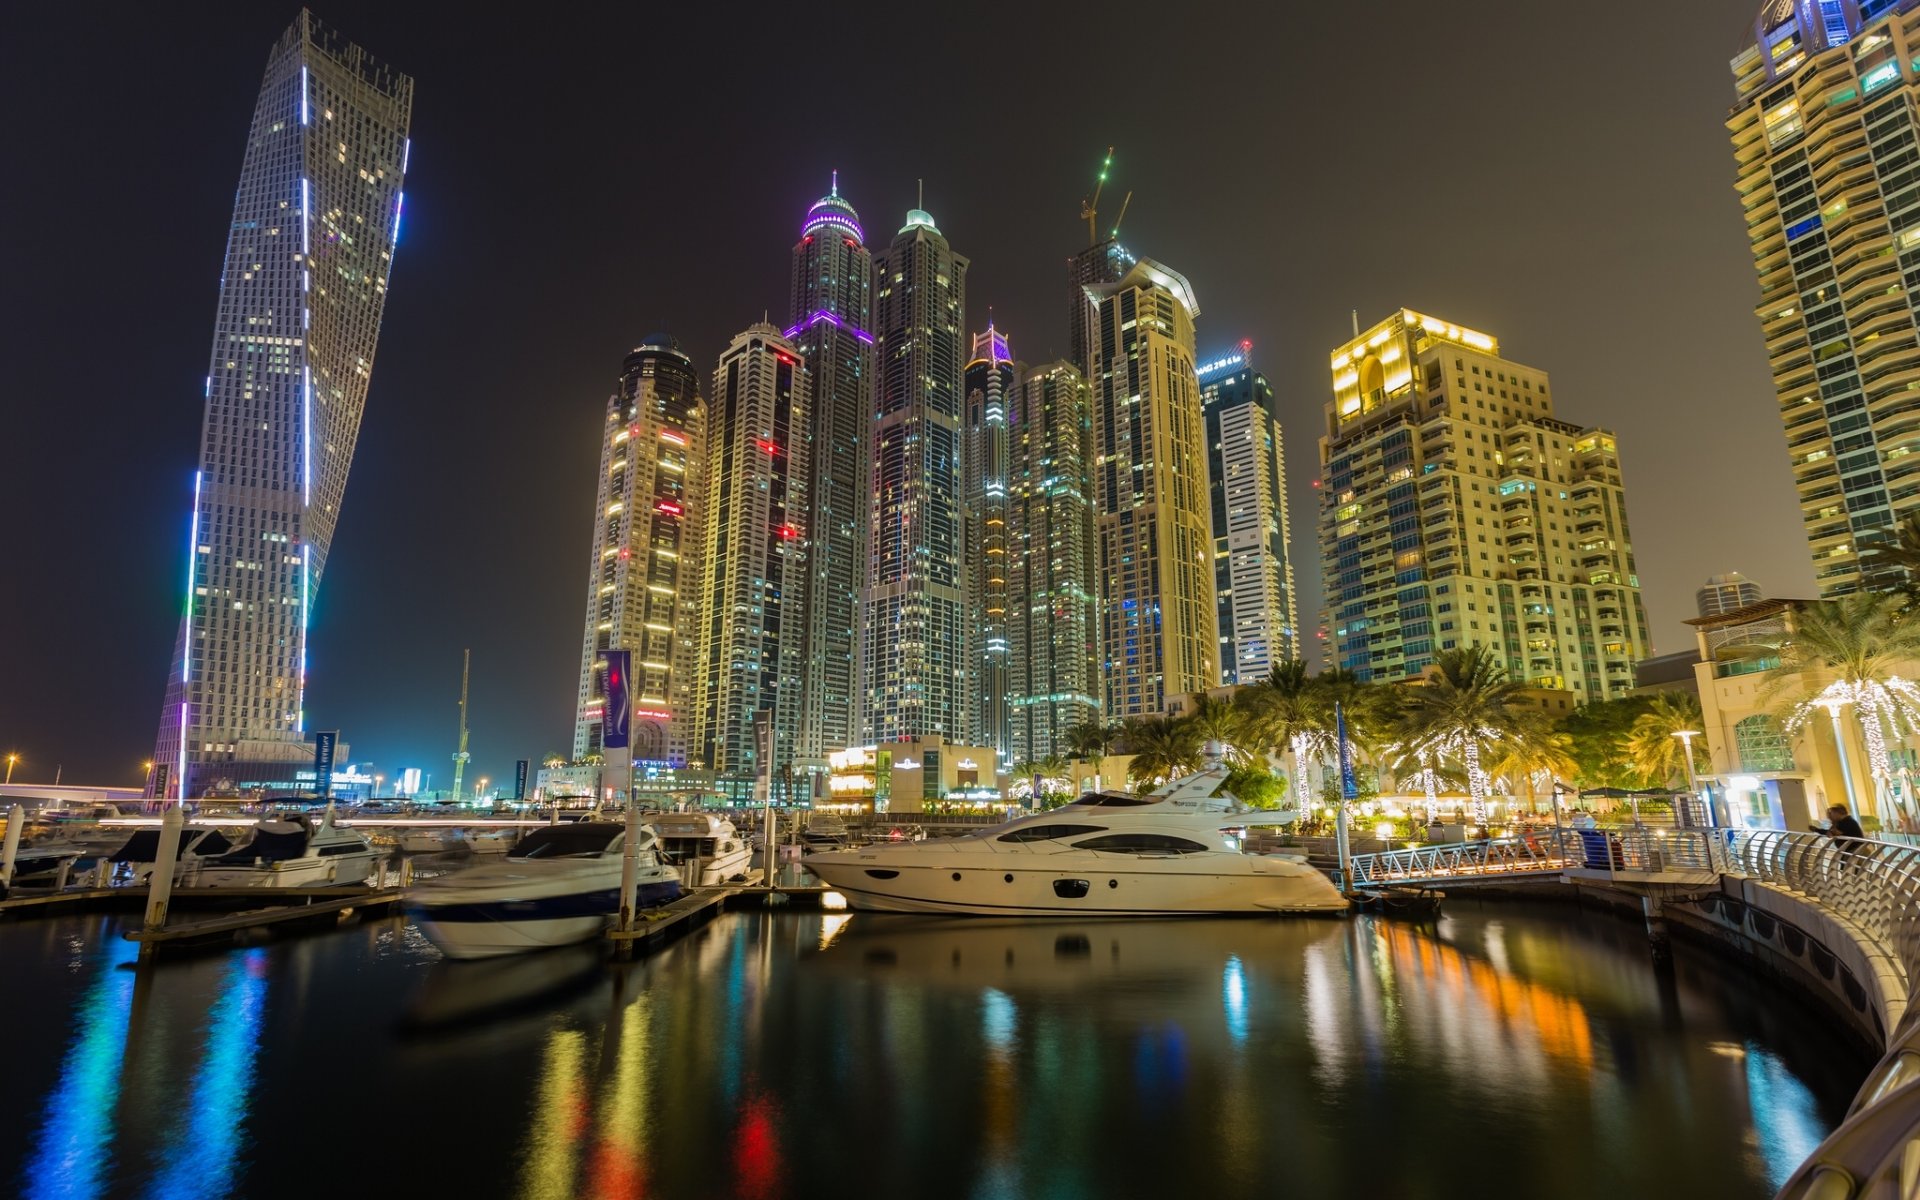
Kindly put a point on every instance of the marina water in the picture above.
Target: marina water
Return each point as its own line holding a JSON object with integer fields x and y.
{"x": 1509, "y": 1050}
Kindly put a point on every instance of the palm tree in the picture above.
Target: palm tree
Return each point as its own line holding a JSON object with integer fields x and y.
{"x": 1845, "y": 651}
{"x": 1218, "y": 721}
{"x": 1162, "y": 748}
{"x": 1293, "y": 716}
{"x": 1464, "y": 706}
{"x": 1655, "y": 752}
{"x": 1092, "y": 740}
{"x": 1538, "y": 755}
{"x": 1902, "y": 554}
{"x": 1371, "y": 709}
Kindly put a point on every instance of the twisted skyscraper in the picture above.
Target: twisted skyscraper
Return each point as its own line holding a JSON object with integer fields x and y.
{"x": 315, "y": 221}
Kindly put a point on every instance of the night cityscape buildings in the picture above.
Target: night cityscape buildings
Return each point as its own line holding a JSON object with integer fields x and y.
{"x": 989, "y": 380}
{"x": 1457, "y": 510}
{"x": 1722, "y": 594}
{"x": 1158, "y": 626}
{"x": 752, "y": 646}
{"x": 1247, "y": 481}
{"x": 917, "y": 655}
{"x": 316, "y": 219}
{"x": 1053, "y": 617}
{"x": 831, "y": 308}
{"x": 644, "y": 570}
{"x": 1828, "y": 155}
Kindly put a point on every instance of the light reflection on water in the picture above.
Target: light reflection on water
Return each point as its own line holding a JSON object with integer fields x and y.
{"x": 770, "y": 1055}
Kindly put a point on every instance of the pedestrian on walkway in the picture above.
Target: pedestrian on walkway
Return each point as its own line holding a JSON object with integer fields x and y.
{"x": 1841, "y": 825}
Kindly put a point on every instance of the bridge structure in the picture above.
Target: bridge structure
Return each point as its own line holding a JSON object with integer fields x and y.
{"x": 1845, "y": 910}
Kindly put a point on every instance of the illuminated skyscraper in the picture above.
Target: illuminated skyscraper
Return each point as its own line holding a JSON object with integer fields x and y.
{"x": 1159, "y": 631}
{"x": 309, "y": 249}
{"x": 1098, "y": 265}
{"x": 1053, "y": 616}
{"x": 1456, "y": 510}
{"x": 917, "y": 644}
{"x": 832, "y": 303}
{"x": 753, "y": 652}
{"x": 1247, "y": 478}
{"x": 989, "y": 383}
{"x": 644, "y": 573}
{"x": 1824, "y": 135}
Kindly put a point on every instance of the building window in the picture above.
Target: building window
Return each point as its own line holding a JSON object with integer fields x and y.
{"x": 1762, "y": 745}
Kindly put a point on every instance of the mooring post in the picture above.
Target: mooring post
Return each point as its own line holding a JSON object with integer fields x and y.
{"x": 1656, "y": 931}
{"x": 629, "y": 867}
{"x": 16, "y": 821}
{"x": 160, "y": 885}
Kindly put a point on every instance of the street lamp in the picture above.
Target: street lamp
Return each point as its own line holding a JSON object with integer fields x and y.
{"x": 1686, "y": 737}
{"x": 482, "y": 793}
{"x": 11, "y": 759}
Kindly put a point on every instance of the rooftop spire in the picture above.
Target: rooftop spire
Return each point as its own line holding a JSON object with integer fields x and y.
{"x": 835, "y": 192}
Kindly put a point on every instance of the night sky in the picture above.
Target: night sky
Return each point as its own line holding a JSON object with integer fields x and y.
{"x": 1536, "y": 171}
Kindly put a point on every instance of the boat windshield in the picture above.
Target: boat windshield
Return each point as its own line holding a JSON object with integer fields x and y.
{"x": 1110, "y": 800}
{"x": 267, "y": 846}
{"x": 1047, "y": 833}
{"x": 562, "y": 841}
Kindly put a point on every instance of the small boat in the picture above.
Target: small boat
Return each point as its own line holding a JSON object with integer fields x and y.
{"x": 37, "y": 864}
{"x": 557, "y": 886}
{"x": 1174, "y": 852}
{"x": 492, "y": 841}
{"x": 705, "y": 839}
{"x": 824, "y": 831}
{"x": 289, "y": 852}
{"x": 138, "y": 853}
{"x": 430, "y": 841}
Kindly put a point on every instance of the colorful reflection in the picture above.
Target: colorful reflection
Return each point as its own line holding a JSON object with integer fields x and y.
{"x": 204, "y": 1153}
{"x": 74, "y": 1149}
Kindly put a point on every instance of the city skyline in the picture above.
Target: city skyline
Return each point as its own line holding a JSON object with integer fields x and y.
{"x": 494, "y": 541}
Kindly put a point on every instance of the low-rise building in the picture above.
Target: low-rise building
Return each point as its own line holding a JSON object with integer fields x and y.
{"x": 906, "y": 776}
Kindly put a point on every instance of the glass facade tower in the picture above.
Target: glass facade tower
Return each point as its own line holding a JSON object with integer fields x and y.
{"x": 1247, "y": 481}
{"x": 315, "y": 222}
{"x": 990, "y": 383}
{"x": 917, "y": 648}
{"x": 1827, "y": 146}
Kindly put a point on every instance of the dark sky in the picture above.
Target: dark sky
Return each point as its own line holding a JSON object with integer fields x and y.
{"x": 578, "y": 181}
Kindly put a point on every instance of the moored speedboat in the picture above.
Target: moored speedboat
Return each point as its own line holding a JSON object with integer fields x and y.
{"x": 709, "y": 840}
{"x": 824, "y": 831}
{"x": 1171, "y": 853}
{"x": 287, "y": 852}
{"x": 197, "y": 845}
{"x": 557, "y": 886}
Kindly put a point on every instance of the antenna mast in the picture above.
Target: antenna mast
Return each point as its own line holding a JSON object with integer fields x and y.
{"x": 461, "y": 756}
{"x": 1090, "y": 209}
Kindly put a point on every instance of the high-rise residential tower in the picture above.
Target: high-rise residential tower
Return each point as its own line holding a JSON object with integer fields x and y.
{"x": 752, "y": 651}
{"x": 1457, "y": 510}
{"x": 1159, "y": 630}
{"x": 1722, "y": 594}
{"x": 644, "y": 572}
{"x": 989, "y": 382}
{"x": 1101, "y": 263}
{"x": 1824, "y": 135}
{"x": 1247, "y": 480}
{"x": 315, "y": 221}
{"x": 1053, "y": 615}
{"x": 917, "y": 652}
{"x": 832, "y": 304}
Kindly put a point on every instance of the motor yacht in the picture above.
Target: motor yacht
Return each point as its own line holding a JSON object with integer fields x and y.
{"x": 557, "y": 886}
{"x": 705, "y": 838}
{"x": 430, "y": 840}
{"x": 824, "y": 831}
{"x": 1176, "y": 851}
{"x": 134, "y": 860}
{"x": 492, "y": 841}
{"x": 287, "y": 852}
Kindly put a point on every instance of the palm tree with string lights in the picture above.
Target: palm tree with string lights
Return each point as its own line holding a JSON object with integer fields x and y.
{"x": 1463, "y": 708}
{"x": 1847, "y": 651}
{"x": 1294, "y": 715}
{"x": 1163, "y": 748}
{"x": 1219, "y": 722}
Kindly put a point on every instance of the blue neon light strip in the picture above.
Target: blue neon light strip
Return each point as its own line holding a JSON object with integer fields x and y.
{"x": 306, "y": 593}
{"x": 831, "y": 319}
{"x": 406, "y": 153}
{"x": 398, "y": 205}
{"x": 306, "y": 435}
{"x": 303, "y": 94}
{"x": 186, "y": 639}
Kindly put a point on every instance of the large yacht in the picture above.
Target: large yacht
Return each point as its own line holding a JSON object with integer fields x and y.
{"x": 558, "y": 885}
{"x": 285, "y": 852}
{"x": 1176, "y": 851}
{"x": 707, "y": 839}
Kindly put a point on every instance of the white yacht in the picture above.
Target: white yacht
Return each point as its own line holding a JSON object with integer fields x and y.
{"x": 824, "y": 831}
{"x": 707, "y": 837}
{"x": 557, "y": 886}
{"x": 287, "y": 852}
{"x": 1176, "y": 851}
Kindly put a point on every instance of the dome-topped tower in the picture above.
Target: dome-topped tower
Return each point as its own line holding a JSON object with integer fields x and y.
{"x": 832, "y": 211}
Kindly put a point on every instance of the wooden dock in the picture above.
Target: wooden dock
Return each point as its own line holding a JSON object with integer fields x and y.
{"x": 222, "y": 930}
{"x": 651, "y": 927}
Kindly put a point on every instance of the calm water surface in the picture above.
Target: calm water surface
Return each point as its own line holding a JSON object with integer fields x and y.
{"x": 1510, "y": 1051}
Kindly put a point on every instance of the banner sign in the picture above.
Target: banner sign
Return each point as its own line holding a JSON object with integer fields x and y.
{"x": 1348, "y": 789}
{"x": 616, "y": 719}
{"x": 323, "y": 762}
{"x": 520, "y": 779}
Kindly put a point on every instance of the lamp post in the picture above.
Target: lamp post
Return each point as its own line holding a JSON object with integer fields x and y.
{"x": 1686, "y": 737}
{"x": 11, "y": 759}
{"x": 1832, "y": 705}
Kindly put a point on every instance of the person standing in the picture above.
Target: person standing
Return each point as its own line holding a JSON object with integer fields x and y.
{"x": 1840, "y": 824}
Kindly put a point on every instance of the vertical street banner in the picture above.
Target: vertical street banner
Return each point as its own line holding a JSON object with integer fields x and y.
{"x": 1348, "y": 789}
{"x": 323, "y": 762}
{"x": 160, "y": 780}
{"x": 520, "y": 779}
{"x": 616, "y": 718}
{"x": 763, "y": 749}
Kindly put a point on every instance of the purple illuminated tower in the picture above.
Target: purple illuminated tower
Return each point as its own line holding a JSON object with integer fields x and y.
{"x": 832, "y": 298}
{"x": 309, "y": 248}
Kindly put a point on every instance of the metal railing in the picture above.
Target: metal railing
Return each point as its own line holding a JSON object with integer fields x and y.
{"x": 1493, "y": 856}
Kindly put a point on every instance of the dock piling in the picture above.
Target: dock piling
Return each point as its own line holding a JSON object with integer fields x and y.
{"x": 629, "y": 866}
{"x": 165, "y": 859}
{"x": 16, "y": 821}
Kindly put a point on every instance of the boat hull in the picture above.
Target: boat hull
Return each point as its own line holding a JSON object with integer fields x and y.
{"x": 473, "y": 927}
{"x": 1112, "y": 888}
{"x": 332, "y": 869}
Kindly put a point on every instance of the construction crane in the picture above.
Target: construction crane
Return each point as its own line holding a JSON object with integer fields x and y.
{"x": 460, "y": 756}
{"x": 1090, "y": 209}
{"x": 1122, "y": 216}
